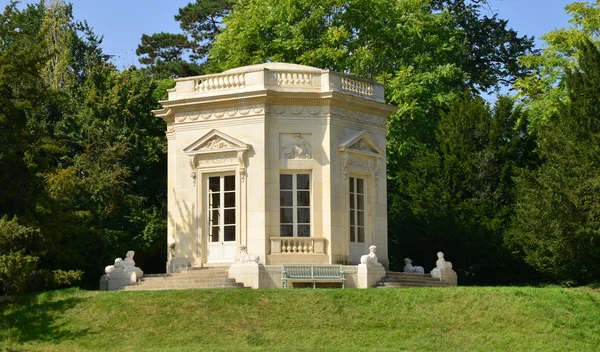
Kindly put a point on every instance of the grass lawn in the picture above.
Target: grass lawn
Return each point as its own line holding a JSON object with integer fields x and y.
{"x": 419, "y": 319}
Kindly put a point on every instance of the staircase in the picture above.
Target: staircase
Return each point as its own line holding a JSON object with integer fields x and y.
{"x": 195, "y": 278}
{"x": 401, "y": 279}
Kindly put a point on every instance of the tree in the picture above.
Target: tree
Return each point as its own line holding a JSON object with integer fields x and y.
{"x": 556, "y": 226}
{"x": 461, "y": 193}
{"x": 543, "y": 89}
{"x": 180, "y": 55}
{"x": 83, "y": 158}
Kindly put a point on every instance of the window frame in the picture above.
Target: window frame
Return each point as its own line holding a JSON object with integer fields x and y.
{"x": 295, "y": 207}
{"x": 354, "y": 210}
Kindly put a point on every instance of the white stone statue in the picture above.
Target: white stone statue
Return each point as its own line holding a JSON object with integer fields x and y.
{"x": 124, "y": 266}
{"x": 119, "y": 266}
{"x": 245, "y": 258}
{"x": 370, "y": 258}
{"x": 441, "y": 265}
{"x": 409, "y": 268}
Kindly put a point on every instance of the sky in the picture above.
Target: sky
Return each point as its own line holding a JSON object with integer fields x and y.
{"x": 122, "y": 22}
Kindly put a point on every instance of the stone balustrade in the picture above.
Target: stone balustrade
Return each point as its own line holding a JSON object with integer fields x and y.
{"x": 277, "y": 77}
{"x": 220, "y": 82}
{"x": 297, "y": 245}
{"x": 357, "y": 86}
{"x": 294, "y": 79}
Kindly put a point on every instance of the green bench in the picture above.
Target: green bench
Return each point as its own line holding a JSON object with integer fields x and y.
{"x": 312, "y": 273}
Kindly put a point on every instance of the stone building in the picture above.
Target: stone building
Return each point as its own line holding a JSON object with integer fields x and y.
{"x": 288, "y": 160}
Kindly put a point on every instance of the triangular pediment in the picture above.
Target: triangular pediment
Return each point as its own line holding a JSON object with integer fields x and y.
{"x": 361, "y": 142}
{"x": 215, "y": 142}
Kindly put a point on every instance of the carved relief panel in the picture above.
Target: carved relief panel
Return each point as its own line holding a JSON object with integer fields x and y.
{"x": 295, "y": 146}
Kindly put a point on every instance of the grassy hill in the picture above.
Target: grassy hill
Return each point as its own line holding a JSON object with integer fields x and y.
{"x": 423, "y": 319}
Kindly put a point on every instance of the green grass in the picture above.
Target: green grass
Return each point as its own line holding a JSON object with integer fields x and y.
{"x": 424, "y": 319}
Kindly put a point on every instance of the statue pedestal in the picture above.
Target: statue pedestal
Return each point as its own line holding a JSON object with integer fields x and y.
{"x": 369, "y": 274}
{"x": 445, "y": 275}
{"x": 246, "y": 273}
{"x": 116, "y": 280}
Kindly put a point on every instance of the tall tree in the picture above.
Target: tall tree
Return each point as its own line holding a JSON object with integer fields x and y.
{"x": 543, "y": 89}
{"x": 461, "y": 193}
{"x": 557, "y": 221}
{"x": 179, "y": 55}
{"x": 83, "y": 158}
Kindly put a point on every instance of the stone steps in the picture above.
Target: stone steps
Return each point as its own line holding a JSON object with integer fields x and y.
{"x": 399, "y": 279}
{"x": 204, "y": 278}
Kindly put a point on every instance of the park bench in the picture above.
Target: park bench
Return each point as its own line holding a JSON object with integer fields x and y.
{"x": 312, "y": 273}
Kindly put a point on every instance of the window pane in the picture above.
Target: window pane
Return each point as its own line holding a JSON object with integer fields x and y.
{"x": 286, "y": 216}
{"x": 214, "y": 234}
{"x": 351, "y": 184}
{"x": 214, "y": 217}
{"x": 352, "y": 201}
{"x": 229, "y": 233}
{"x": 214, "y": 200}
{"x": 302, "y": 181}
{"x": 286, "y": 231}
{"x": 361, "y": 234}
{"x": 303, "y": 198}
{"x": 229, "y": 216}
{"x": 360, "y": 200}
{"x": 352, "y": 234}
{"x": 352, "y": 221}
{"x": 303, "y": 216}
{"x": 303, "y": 230}
{"x": 361, "y": 218}
{"x": 360, "y": 186}
{"x": 285, "y": 181}
{"x": 230, "y": 183}
{"x": 286, "y": 198}
{"x": 214, "y": 183}
{"x": 230, "y": 200}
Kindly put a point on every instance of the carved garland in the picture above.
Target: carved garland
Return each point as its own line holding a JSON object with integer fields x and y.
{"x": 357, "y": 116}
{"x": 224, "y": 159}
{"x": 205, "y": 115}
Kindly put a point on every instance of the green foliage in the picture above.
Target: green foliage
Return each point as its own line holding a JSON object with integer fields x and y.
{"x": 460, "y": 197}
{"x": 557, "y": 221}
{"x": 420, "y": 319}
{"x": 83, "y": 158}
{"x": 543, "y": 89}
{"x": 169, "y": 55}
{"x": 16, "y": 264}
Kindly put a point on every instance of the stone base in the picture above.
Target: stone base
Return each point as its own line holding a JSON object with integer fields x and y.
{"x": 117, "y": 280}
{"x": 368, "y": 275}
{"x": 446, "y": 276}
{"x": 248, "y": 273}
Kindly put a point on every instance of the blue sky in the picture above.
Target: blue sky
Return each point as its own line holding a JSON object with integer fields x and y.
{"x": 122, "y": 22}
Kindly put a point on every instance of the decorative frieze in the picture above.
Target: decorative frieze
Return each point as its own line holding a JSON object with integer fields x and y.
{"x": 218, "y": 114}
{"x": 294, "y": 110}
{"x": 358, "y": 116}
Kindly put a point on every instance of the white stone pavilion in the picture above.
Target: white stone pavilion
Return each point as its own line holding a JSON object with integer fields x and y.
{"x": 288, "y": 160}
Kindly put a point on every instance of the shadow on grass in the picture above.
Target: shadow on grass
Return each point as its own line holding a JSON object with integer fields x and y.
{"x": 38, "y": 317}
